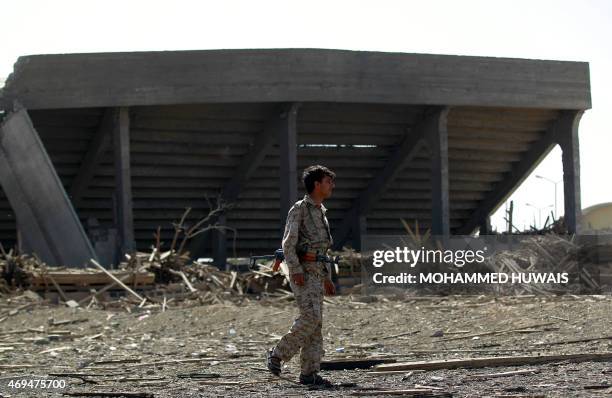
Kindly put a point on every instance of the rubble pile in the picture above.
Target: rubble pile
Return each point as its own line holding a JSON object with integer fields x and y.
{"x": 160, "y": 278}
{"x": 550, "y": 254}
{"x": 164, "y": 278}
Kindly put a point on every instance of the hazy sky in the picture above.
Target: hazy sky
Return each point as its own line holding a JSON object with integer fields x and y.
{"x": 559, "y": 30}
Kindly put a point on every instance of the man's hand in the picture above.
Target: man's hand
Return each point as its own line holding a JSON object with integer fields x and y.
{"x": 330, "y": 289}
{"x": 298, "y": 279}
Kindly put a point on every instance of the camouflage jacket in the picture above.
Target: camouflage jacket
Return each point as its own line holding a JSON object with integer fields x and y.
{"x": 306, "y": 230}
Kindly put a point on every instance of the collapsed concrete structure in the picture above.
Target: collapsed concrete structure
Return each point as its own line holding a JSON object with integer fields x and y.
{"x": 128, "y": 140}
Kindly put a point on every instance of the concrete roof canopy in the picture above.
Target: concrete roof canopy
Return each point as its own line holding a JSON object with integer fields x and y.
{"x": 435, "y": 138}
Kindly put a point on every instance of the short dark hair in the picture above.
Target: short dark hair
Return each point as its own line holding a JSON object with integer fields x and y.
{"x": 315, "y": 173}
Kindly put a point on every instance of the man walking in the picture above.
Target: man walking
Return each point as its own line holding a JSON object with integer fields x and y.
{"x": 307, "y": 235}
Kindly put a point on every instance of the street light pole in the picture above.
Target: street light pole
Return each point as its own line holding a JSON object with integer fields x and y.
{"x": 555, "y": 184}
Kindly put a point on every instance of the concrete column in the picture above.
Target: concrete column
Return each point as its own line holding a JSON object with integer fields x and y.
{"x": 567, "y": 137}
{"x": 438, "y": 143}
{"x": 123, "y": 181}
{"x": 288, "y": 161}
{"x": 220, "y": 244}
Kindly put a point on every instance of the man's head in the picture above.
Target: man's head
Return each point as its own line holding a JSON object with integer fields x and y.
{"x": 319, "y": 181}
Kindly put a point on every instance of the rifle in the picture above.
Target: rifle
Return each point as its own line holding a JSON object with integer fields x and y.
{"x": 279, "y": 257}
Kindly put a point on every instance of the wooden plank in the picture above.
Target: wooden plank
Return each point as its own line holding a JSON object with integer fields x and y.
{"x": 226, "y": 76}
{"x": 91, "y": 278}
{"x": 494, "y": 361}
{"x": 100, "y": 143}
{"x": 353, "y": 363}
{"x": 47, "y": 220}
{"x": 123, "y": 181}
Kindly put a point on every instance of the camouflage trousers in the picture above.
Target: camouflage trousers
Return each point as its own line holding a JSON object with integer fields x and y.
{"x": 305, "y": 334}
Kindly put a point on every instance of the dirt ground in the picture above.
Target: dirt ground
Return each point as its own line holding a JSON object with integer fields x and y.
{"x": 217, "y": 350}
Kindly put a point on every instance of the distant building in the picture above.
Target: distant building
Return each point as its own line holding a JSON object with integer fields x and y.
{"x": 598, "y": 216}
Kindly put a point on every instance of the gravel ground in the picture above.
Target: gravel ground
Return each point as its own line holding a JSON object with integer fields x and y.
{"x": 163, "y": 353}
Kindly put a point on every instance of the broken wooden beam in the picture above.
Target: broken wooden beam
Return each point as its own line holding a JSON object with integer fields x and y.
{"x": 184, "y": 278}
{"x": 117, "y": 281}
{"x": 494, "y": 361}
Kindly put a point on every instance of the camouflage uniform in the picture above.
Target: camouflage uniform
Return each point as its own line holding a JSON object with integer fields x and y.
{"x": 307, "y": 229}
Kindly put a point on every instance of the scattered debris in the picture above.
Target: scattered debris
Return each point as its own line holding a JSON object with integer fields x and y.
{"x": 548, "y": 253}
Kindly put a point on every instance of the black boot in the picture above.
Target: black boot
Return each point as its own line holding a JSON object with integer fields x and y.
{"x": 273, "y": 362}
{"x": 315, "y": 380}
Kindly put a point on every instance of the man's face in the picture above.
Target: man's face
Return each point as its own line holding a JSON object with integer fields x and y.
{"x": 325, "y": 187}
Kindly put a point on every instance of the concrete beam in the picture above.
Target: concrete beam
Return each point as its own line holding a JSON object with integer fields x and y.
{"x": 411, "y": 144}
{"x": 289, "y": 75}
{"x": 45, "y": 217}
{"x": 99, "y": 144}
{"x": 513, "y": 179}
{"x": 263, "y": 143}
{"x": 262, "y": 146}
